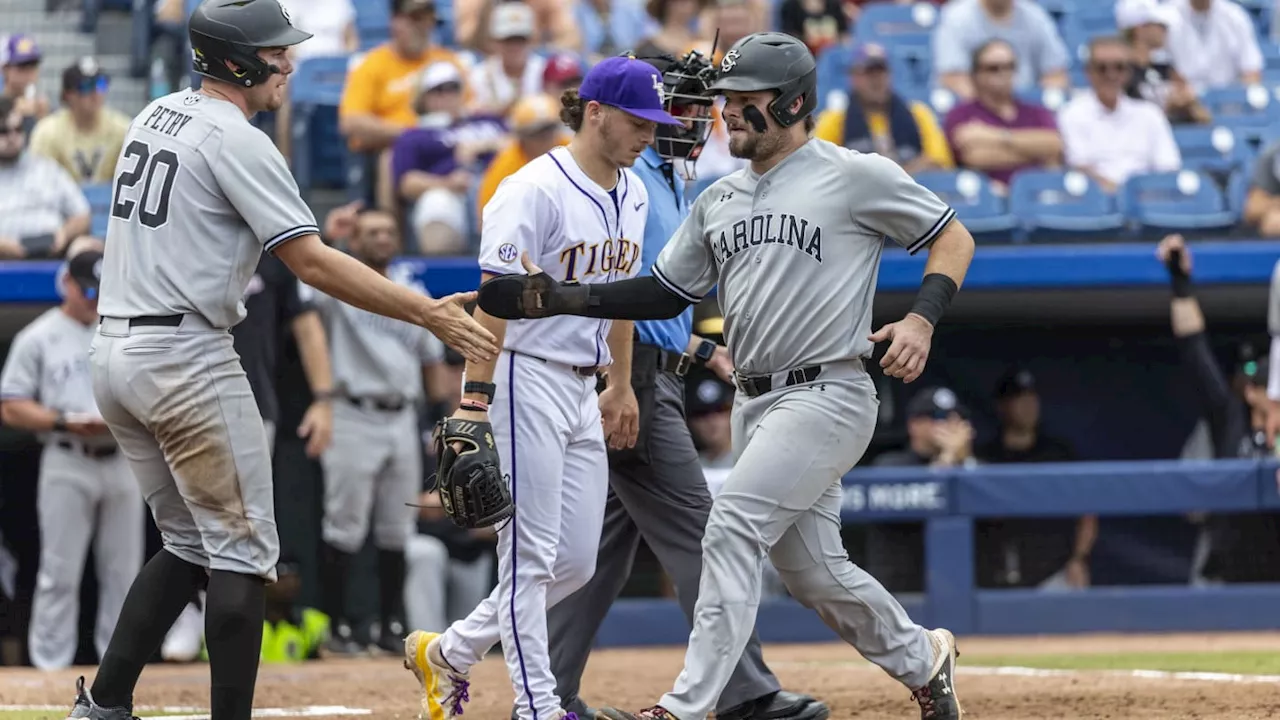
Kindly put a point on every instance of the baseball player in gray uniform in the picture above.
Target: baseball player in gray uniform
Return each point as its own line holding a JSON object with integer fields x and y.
{"x": 199, "y": 194}
{"x": 794, "y": 242}
{"x": 86, "y": 491}
{"x": 373, "y": 469}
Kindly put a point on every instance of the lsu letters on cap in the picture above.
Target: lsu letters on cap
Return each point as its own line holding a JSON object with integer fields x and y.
{"x": 633, "y": 86}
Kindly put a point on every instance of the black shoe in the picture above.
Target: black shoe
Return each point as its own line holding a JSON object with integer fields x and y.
{"x": 341, "y": 644}
{"x": 781, "y": 705}
{"x": 86, "y": 708}
{"x": 390, "y": 639}
{"x": 938, "y": 699}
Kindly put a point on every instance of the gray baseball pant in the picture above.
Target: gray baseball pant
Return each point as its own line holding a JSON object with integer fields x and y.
{"x": 82, "y": 499}
{"x": 782, "y": 498}
{"x": 665, "y": 502}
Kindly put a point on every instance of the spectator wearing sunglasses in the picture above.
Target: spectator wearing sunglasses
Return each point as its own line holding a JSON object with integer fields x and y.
{"x": 878, "y": 120}
{"x": 964, "y": 25}
{"x": 20, "y": 65}
{"x": 41, "y": 207}
{"x": 1109, "y": 135}
{"x": 434, "y": 165}
{"x": 84, "y": 136}
{"x": 996, "y": 133}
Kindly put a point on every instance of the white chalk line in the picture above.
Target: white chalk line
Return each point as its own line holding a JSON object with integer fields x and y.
{"x": 1047, "y": 673}
{"x": 191, "y": 713}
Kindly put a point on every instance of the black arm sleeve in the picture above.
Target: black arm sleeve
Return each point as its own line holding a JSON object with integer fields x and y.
{"x": 1210, "y": 385}
{"x": 640, "y": 298}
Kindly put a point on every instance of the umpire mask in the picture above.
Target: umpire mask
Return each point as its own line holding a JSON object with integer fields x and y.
{"x": 685, "y": 94}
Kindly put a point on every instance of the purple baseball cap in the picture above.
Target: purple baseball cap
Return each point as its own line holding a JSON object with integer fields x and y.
{"x": 19, "y": 50}
{"x": 633, "y": 86}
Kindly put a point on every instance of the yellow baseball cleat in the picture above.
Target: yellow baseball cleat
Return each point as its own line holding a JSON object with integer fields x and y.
{"x": 444, "y": 690}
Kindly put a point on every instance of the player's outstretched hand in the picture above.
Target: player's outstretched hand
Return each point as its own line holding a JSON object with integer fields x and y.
{"x": 621, "y": 415}
{"x": 1172, "y": 252}
{"x": 910, "y": 339}
{"x": 447, "y": 319}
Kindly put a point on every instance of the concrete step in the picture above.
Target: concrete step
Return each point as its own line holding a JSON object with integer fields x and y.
{"x": 114, "y": 35}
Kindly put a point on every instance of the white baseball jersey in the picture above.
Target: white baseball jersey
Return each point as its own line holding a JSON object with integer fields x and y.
{"x": 796, "y": 252}
{"x": 49, "y": 363}
{"x": 575, "y": 231}
{"x": 198, "y": 194}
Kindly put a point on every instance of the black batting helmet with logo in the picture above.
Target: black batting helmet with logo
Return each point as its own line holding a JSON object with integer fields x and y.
{"x": 227, "y": 34}
{"x": 685, "y": 91}
{"x": 772, "y": 61}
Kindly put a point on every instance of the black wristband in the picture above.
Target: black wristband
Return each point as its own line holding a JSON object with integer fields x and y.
{"x": 936, "y": 291}
{"x": 487, "y": 389}
{"x": 1178, "y": 279}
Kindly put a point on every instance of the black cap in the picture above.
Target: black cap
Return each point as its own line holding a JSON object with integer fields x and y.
{"x": 84, "y": 76}
{"x": 86, "y": 269}
{"x": 1014, "y": 382}
{"x": 936, "y": 402}
{"x": 708, "y": 395}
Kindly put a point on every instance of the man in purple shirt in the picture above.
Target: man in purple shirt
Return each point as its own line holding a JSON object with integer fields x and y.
{"x": 433, "y": 166}
{"x": 995, "y": 133}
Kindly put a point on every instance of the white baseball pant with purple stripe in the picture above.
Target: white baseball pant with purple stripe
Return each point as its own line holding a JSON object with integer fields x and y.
{"x": 546, "y": 420}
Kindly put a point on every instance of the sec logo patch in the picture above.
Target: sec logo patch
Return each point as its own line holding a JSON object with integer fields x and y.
{"x": 507, "y": 253}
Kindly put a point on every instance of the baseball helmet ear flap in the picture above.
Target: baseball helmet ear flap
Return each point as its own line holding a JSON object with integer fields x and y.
{"x": 805, "y": 87}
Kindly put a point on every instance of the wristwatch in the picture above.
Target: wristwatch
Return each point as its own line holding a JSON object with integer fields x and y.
{"x": 705, "y": 350}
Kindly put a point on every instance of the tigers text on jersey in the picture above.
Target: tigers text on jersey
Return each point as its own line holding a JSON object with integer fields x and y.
{"x": 796, "y": 252}
{"x": 576, "y": 231}
{"x": 198, "y": 194}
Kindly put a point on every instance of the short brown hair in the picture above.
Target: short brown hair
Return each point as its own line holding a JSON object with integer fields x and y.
{"x": 572, "y": 108}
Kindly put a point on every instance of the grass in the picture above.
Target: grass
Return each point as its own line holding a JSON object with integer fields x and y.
{"x": 1235, "y": 662}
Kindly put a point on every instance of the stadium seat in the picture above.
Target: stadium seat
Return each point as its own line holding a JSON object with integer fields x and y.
{"x": 978, "y": 207}
{"x": 891, "y": 24}
{"x": 1214, "y": 150}
{"x": 1248, "y": 110}
{"x": 1270, "y": 55}
{"x": 1175, "y": 201}
{"x": 1050, "y": 98}
{"x": 1238, "y": 191}
{"x": 833, "y": 73}
{"x": 99, "y": 197}
{"x": 1260, "y": 13}
{"x": 911, "y": 65}
{"x": 1057, "y": 204}
{"x": 319, "y": 151}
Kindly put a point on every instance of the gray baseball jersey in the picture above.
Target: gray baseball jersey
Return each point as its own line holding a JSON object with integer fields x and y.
{"x": 49, "y": 363}
{"x": 199, "y": 194}
{"x": 372, "y": 355}
{"x": 796, "y": 252}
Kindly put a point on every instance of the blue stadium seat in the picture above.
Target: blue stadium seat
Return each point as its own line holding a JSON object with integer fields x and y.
{"x": 1248, "y": 110}
{"x": 99, "y": 197}
{"x": 1270, "y": 55}
{"x": 1238, "y": 191}
{"x": 319, "y": 151}
{"x": 891, "y": 24}
{"x": 911, "y": 65}
{"x": 1260, "y": 13}
{"x": 1174, "y": 201}
{"x": 1050, "y": 98}
{"x": 1214, "y": 150}
{"x": 1054, "y": 203}
{"x": 833, "y": 72}
{"x": 982, "y": 211}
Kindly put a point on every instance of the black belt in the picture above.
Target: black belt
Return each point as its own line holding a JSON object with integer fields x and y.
{"x": 153, "y": 321}
{"x": 97, "y": 453}
{"x": 370, "y": 403}
{"x": 581, "y": 370}
{"x": 677, "y": 364}
{"x": 761, "y": 384}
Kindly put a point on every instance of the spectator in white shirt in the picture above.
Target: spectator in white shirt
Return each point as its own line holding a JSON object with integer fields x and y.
{"x": 966, "y": 25}
{"x": 1109, "y": 135}
{"x": 513, "y": 70}
{"x": 1214, "y": 44}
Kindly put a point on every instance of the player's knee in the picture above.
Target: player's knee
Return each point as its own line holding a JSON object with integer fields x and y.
{"x": 234, "y": 602}
{"x": 727, "y": 529}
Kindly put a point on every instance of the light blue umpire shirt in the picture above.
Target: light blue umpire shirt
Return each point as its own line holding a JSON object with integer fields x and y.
{"x": 667, "y": 209}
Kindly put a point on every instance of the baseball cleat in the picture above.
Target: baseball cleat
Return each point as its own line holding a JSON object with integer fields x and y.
{"x": 85, "y": 707}
{"x": 938, "y": 699}
{"x": 444, "y": 690}
{"x": 656, "y": 712}
{"x": 781, "y": 705}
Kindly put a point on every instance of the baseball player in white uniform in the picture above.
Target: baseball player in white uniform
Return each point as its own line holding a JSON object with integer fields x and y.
{"x": 794, "y": 243}
{"x": 86, "y": 492}
{"x": 199, "y": 194}
{"x": 582, "y": 212}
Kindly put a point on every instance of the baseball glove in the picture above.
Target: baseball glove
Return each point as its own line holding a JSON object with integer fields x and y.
{"x": 472, "y": 489}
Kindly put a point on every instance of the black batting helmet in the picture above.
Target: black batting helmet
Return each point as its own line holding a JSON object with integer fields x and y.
{"x": 685, "y": 84}
{"x": 772, "y": 61}
{"x": 227, "y": 34}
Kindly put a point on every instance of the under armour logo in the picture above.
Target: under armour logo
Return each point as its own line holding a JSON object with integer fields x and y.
{"x": 730, "y": 60}
{"x": 657, "y": 85}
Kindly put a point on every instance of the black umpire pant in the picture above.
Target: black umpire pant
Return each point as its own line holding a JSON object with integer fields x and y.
{"x": 657, "y": 492}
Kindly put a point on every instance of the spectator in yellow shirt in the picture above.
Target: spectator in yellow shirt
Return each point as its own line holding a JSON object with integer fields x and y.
{"x": 84, "y": 136}
{"x": 877, "y": 120}
{"x": 377, "y": 101}
{"x": 536, "y": 126}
